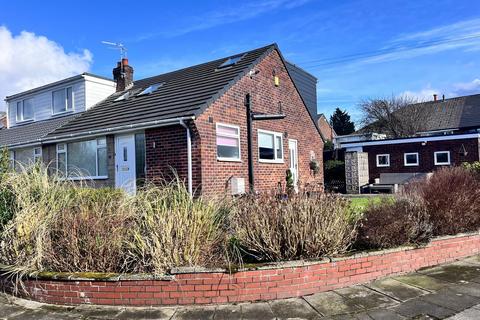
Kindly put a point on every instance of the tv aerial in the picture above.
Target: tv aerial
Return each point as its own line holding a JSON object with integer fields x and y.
{"x": 117, "y": 46}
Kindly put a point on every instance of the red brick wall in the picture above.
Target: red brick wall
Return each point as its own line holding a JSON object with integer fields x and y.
{"x": 265, "y": 98}
{"x": 262, "y": 284}
{"x": 325, "y": 128}
{"x": 425, "y": 153}
{"x": 166, "y": 149}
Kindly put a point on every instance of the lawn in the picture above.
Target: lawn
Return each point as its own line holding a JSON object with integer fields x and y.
{"x": 359, "y": 204}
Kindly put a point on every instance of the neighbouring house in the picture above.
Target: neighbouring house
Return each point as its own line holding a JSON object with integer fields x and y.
{"x": 325, "y": 128}
{"x": 223, "y": 126}
{"x": 449, "y": 135}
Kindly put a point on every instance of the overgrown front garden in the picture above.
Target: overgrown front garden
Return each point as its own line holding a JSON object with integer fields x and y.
{"x": 50, "y": 224}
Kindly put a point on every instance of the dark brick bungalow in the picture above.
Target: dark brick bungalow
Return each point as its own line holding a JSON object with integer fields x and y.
{"x": 193, "y": 121}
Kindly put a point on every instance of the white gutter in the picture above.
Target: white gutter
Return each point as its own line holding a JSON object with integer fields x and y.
{"x": 411, "y": 140}
{"x": 189, "y": 157}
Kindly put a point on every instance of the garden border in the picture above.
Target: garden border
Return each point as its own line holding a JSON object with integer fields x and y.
{"x": 185, "y": 286}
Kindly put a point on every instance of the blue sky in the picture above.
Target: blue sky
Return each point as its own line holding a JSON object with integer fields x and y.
{"x": 421, "y": 47}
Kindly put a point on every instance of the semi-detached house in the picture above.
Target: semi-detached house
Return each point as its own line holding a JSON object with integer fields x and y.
{"x": 222, "y": 126}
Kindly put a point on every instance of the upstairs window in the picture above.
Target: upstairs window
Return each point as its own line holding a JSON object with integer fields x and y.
{"x": 270, "y": 146}
{"x": 24, "y": 110}
{"x": 442, "y": 158}
{"x": 410, "y": 159}
{"x": 62, "y": 100}
{"x": 228, "y": 142}
{"x": 150, "y": 89}
{"x": 231, "y": 61}
{"x": 383, "y": 160}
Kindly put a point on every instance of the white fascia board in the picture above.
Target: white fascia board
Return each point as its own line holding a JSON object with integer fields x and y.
{"x": 412, "y": 140}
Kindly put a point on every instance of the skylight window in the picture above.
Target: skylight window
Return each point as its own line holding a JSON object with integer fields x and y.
{"x": 150, "y": 89}
{"x": 231, "y": 61}
{"x": 124, "y": 96}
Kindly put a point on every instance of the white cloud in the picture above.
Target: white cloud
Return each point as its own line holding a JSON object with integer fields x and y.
{"x": 425, "y": 94}
{"x": 28, "y": 61}
{"x": 466, "y": 88}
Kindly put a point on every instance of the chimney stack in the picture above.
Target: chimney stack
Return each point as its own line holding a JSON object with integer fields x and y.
{"x": 434, "y": 96}
{"x": 443, "y": 97}
{"x": 123, "y": 75}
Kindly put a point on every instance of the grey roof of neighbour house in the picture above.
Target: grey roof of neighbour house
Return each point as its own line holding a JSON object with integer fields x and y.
{"x": 32, "y": 132}
{"x": 183, "y": 93}
{"x": 455, "y": 113}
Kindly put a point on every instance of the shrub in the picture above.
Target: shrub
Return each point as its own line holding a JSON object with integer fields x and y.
{"x": 452, "y": 199}
{"x": 269, "y": 229}
{"x": 473, "y": 166}
{"x": 392, "y": 223}
{"x": 173, "y": 229}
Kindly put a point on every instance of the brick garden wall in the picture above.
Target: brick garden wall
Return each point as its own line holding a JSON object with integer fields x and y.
{"x": 425, "y": 154}
{"x": 267, "y": 283}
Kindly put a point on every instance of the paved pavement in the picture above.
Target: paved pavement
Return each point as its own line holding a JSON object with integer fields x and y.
{"x": 450, "y": 291}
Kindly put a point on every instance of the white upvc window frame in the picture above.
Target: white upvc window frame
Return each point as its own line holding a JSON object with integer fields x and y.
{"x": 237, "y": 136}
{"x": 442, "y": 163}
{"x": 37, "y": 155}
{"x": 383, "y": 155}
{"x": 64, "y": 149}
{"x": 20, "y": 116}
{"x": 67, "y": 110}
{"x": 275, "y": 146}
{"x": 417, "y": 163}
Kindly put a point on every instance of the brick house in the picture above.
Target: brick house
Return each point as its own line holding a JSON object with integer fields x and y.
{"x": 192, "y": 120}
{"x": 450, "y": 136}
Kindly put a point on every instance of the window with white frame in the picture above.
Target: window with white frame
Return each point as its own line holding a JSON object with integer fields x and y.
{"x": 410, "y": 159}
{"x": 83, "y": 159}
{"x": 270, "y": 146}
{"x": 24, "y": 110}
{"x": 228, "y": 142}
{"x": 37, "y": 154}
{"x": 442, "y": 158}
{"x": 383, "y": 160}
{"x": 62, "y": 100}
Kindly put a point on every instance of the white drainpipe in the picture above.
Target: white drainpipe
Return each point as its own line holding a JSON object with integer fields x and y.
{"x": 189, "y": 158}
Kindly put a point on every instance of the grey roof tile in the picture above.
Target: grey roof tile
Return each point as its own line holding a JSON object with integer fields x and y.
{"x": 184, "y": 93}
{"x": 32, "y": 132}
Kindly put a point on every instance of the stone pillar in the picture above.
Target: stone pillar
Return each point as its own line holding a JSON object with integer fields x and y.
{"x": 356, "y": 171}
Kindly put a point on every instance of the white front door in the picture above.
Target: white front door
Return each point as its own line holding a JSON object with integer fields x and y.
{"x": 125, "y": 177}
{"x": 293, "y": 158}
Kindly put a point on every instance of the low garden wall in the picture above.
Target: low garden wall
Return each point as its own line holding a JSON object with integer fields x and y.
{"x": 267, "y": 282}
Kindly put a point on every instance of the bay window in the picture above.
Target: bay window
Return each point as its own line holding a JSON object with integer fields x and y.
{"x": 270, "y": 146}
{"x": 83, "y": 159}
{"x": 228, "y": 142}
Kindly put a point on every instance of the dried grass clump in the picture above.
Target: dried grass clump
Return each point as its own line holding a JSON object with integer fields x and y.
{"x": 266, "y": 228}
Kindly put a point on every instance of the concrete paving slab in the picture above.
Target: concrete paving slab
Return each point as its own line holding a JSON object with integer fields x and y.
{"x": 469, "y": 314}
{"x": 450, "y": 299}
{"x": 147, "y": 314}
{"x": 471, "y": 288}
{"x": 331, "y": 303}
{"x": 293, "y": 309}
{"x": 417, "y": 308}
{"x": 194, "y": 313}
{"x": 226, "y": 312}
{"x": 422, "y": 281}
{"x": 457, "y": 272}
{"x": 43, "y": 315}
{"x": 9, "y": 310}
{"x": 257, "y": 311}
{"x": 383, "y": 314}
{"x": 366, "y": 297}
{"x": 97, "y": 312}
{"x": 396, "y": 289}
